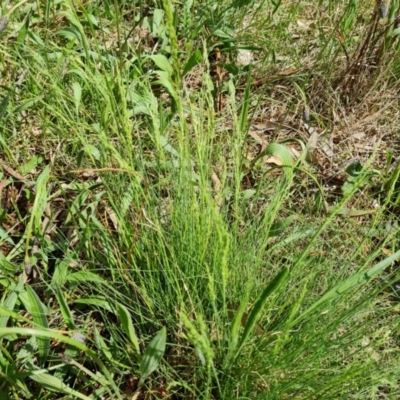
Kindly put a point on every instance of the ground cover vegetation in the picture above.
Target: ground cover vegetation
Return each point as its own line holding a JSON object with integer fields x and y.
{"x": 199, "y": 200}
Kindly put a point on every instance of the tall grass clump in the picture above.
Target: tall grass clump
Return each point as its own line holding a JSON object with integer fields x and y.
{"x": 146, "y": 253}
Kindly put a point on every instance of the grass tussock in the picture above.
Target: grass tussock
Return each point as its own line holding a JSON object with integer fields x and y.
{"x": 199, "y": 200}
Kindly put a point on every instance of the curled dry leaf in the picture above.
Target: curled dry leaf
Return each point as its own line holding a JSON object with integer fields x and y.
{"x": 272, "y": 160}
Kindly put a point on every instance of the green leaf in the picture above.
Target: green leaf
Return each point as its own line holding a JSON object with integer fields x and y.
{"x": 259, "y": 304}
{"x": 157, "y": 22}
{"x": 10, "y": 301}
{"x": 354, "y": 169}
{"x": 65, "y": 311}
{"x": 102, "y": 344}
{"x": 127, "y": 324}
{"x": 85, "y": 276}
{"x": 91, "y": 19}
{"x": 26, "y": 105}
{"x": 195, "y": 59}
{"x": 24, "y": 30}
{"x": 235, "y": 327}
{"x": 220, "y": 33}
{"x": 40, "y": 202}
{"x": 95, "y": 301}
{"x": 93, "y": 151}
{"x": 395, "y": 32}
{"x": 153, "y": 355}
{"x": 67, "y": 340}
{"x": 35, "y": 307}
{"x": 54, "y": 384}
{"x": 162, "y": 62}
{"x": 350, "y": 283}
{"x": 166, "y": 146}
{"x": 30, "y": 165}
{"x": 105, "y": 349}
{"x": 248, "y": 193}
{"x": 277, "y": 228}
{"x": 71, "y": 33}
{"x": 282, "y": 153}
{"x": 60, "y": 275}
{"x": 245, "y": 107}
{"x": 4, "y": 395}
{"x": 77, "y": 90}
{"x": 165, "y": 81}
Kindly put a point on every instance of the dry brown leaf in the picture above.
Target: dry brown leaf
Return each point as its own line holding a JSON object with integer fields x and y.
{"x": 313, "y": 139}
{"x": 327, "y": 146}
{"x": 358, "y": 135}
{"x": 272, "y": 160}
{"x": 216, "y": 182}
{"x": 256, "y": 137}
{"x": 295, "y": 153}
{"x": 113, "y": 217}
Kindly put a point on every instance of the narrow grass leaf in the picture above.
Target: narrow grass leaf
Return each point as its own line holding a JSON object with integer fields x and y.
{"x": 35, "y": 307}
{"x": 350, "y": 283}
{"x": 54, "y": 335}
{"x": 127, "y": 324}
{"x": 77, "y": 90}
{"x": 24, "y": 30}
{"x": 106, "y": 350}
{"x": 9, "y": 302}
{"x": 165, "y": 81}
{"x": 96, "y": 301}
{"x": 236, "y": 324}
{"x": 7, "y": 266}
{"x": 153, "y": 355}
{"x": 195, "y": 59}
{"x": 27, "y": 104}
{"x": 60, "y": 275}
{"x": 65, "y": 311}
{"x": 167, "y": 146}
{"x": 245, "y": 106}
{"x": 54, "y": 384}
{"x": 31, "y": 164}
{"x": 40, "y": 202}
{"x": 277, "y": 228}
{"x": 162, "y": 62}
{"x": 259, "y": 304}
{"x": 93, "y": 151}
{"x": 85, "y": 276}
{"x": 102, "y": 344}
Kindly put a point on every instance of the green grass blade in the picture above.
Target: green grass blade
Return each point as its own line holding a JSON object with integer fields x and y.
{"x": 65, "y": 339}
{"x": 195, "y": 59}
{"x": 10, "y": 300}
{"x": 350, "y": 283}
{"x": 65, "y": 311}
{"x": 35, "y": 307}
{"x": 245, "y": 106}
{"x": 259, "y": 304}
{"x": 153, "y": 355}
{"x": 235, "y": 328}
{"x": 127, "y": 324}
{"x": 54, "y": 384}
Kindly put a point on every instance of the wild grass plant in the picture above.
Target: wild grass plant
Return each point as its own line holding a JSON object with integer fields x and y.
{"x": 150, "y": 249}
